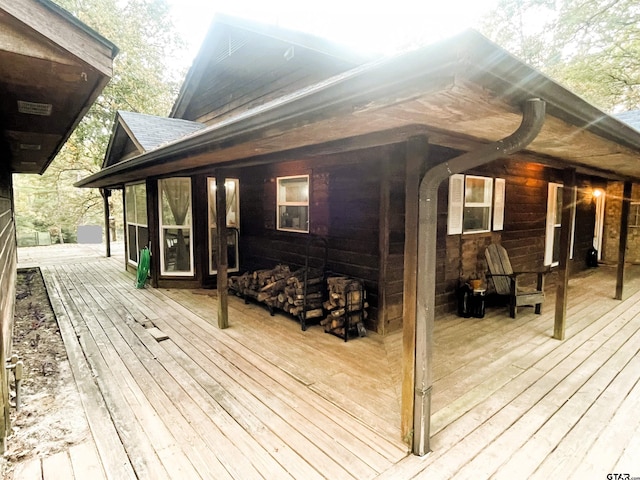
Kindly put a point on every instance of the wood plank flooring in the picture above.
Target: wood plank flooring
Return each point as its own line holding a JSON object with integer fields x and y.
{"x": 203, "y": 404}
{"x": 511, "y": 402}
{"x": 262, "y": 399}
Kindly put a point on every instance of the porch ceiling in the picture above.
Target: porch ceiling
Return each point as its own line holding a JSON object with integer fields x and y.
{"x": 460, "y": 93}
{"x": 53, "y": 67}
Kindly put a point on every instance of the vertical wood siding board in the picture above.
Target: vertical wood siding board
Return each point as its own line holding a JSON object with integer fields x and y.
{"x": 383, "y": 244}
{"x": 8, "y": 275}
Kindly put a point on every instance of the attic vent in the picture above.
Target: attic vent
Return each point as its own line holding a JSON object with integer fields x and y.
{"x": 234, "y": 43}
{"x": 30, "y": 146}
{"x": 289, "y": 53}
{"x": 33, "y": 108}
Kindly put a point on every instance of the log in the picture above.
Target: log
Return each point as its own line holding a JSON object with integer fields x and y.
{"x": 315, "y": 313}
{"x": 275, "y": 285}
{"x": 262, "y": 296}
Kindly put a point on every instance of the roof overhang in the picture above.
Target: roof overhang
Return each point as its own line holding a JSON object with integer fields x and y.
{"x": 461, "y": 93}
{"x": 53, "y": 67}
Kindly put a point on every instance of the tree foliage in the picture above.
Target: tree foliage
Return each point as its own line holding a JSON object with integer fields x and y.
{"x": 142, "y": 81}
{"x": 591, "y": 46}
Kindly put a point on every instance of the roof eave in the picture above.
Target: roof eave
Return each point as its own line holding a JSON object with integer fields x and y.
{"x": 471, "y": 53}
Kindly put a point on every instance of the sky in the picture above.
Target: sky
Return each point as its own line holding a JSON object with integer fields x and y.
{"x": 382, "y": 26}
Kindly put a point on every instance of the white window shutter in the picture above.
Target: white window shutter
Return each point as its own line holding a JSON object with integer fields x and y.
{"x": 456, "y": 204}
{"x": 498, "y": 204}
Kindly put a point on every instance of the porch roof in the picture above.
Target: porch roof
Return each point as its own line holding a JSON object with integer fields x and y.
{"x": 461, "y": 93}
{"x": 144, "y": 133}
{"x": 52, "y": 68}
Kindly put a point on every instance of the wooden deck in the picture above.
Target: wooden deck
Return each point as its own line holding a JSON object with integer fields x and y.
{"x": 263, "y": 399}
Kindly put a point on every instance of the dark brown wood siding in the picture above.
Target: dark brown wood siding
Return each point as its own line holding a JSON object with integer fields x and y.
{"x": 8, "y": 261}
{"x": 523, "y": 236}
{"x": 344, "y": 208}
{"x": 260, "y": 69}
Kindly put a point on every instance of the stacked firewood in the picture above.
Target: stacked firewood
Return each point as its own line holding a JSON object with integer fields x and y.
{"x": 296, "y": 301}
{"x": 346, "y": 305}
{"x": 261, "y": 284}
{"x": 283, "y": 289}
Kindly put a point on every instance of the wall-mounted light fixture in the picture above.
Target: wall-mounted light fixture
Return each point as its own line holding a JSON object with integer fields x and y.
{"x": 596, "y": 193}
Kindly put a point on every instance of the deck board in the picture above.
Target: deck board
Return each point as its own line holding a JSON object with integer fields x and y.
{"x": 86, "y": 462}
{"x": 262, "y": 399}
{"x": 57, "y": 466}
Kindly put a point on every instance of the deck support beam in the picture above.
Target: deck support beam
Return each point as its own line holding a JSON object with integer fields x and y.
{"x": 221, "y": 231}
{"x": 568, "y": 213}
{"x": 622, "y": 246}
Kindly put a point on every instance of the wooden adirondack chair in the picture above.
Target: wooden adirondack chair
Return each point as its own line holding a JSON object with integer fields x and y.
{"x": 505, "y": 281}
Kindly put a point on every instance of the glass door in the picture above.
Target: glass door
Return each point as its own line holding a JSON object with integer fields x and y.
{"x": 232, "y": 186}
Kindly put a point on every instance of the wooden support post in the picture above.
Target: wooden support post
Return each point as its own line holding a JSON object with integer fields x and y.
{"x": 417, "y": 151}
{"x": 568, "y": 208}
{"x": 622, "y": 246}
{"x": 221, "y": 229}
{"x": 107, "y": 232}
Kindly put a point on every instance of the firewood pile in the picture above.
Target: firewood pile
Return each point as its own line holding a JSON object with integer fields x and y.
{"x": 280, "y": 288}
{"x": 341, "y": 298}
{"x": 346, "y": 306}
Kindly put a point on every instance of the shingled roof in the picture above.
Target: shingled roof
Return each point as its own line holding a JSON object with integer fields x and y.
{"x": 137, "y": 133}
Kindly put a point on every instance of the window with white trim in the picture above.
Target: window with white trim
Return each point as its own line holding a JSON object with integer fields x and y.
{"x": 476, "y": 204}
{"x": 293, "y": 204}
{"x": 176, "y": 247}
{"x": 135, "y": 199}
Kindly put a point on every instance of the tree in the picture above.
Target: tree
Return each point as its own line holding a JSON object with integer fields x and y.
{"x": 591, "y": 46}
{"x": 142, "y": 82}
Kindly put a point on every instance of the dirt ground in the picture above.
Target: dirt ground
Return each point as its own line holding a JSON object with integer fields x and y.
{"x": 48, "y": 420}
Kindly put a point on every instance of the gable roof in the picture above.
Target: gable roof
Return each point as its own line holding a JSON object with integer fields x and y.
{"x": 462, "y": 92}
{"x": 52, "y": 68}
{"x": 239, "y": 54}
{"x": 138, "y": 133}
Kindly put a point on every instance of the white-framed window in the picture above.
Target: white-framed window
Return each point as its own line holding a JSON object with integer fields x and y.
{"x": 176, "y": 246}
{"x": 476, "y": 204}
{"x": 634, "y": 215}
{"x": 135, "y": 199}
{"x": 293, "y": 204}
{"x": 232, "y": 189}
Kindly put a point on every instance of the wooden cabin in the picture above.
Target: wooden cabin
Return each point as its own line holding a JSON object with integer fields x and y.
{"x": 398, "y": 172}
{"x": 52, "y": 68}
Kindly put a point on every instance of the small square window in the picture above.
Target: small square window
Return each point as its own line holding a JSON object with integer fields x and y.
{"x": 293, "y": 204}
{"x": 476, "y": 204}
